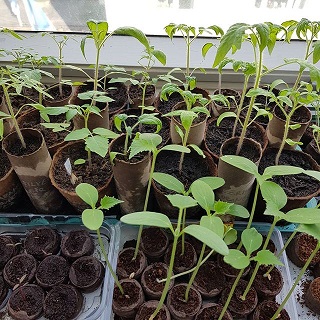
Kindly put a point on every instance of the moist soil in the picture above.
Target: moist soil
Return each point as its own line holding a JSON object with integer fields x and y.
{"x": 299, "y": 116}
{"x": 63, "y": 302}
{"x": 42, "y": 242}
{"x": 297, "y": 185}
{"x": 119, "y": 93}
{"x": 97, "y": 175}
{"x": 5, "y": 165}
{"x": 212, "y": 311}
{"x": 165, "y": 107}
{"x": 29, "y": 299}
{"x": 153, "y": 241}
{"x": 228, "y": 93}
{"x": 54, "y": 92}
{"x": 267, "y": 309}
{"x": 52, "y": 271}
{"x": 130, "y": 297}
{"x": 32, "y": 143}
{"x": 146, "y": 312}
{"x": 135, "y": 92}
{"x": 77, "y": 243}
{"x": 128, "y": 266}
{"x": 215, "y": 136}
{"x": 7, "y": 249}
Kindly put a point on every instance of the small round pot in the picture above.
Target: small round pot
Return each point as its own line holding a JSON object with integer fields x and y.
{"x": 52, "y": 271}
{"x": 128, "y": 304}
{"x": 20, "y": 269}
{"x": 3, "y": 292}
{"x": 8, "y": 249}
{"x": 312, "y": 300}
{"x": 26, "y": 302}
{"x": 86, "y": 273}
{"x": 147, "y": 309}
{"x": 212, "y": 311}
{"x": 129, "y": 268}
{"x": 58, "y": 99}
{"x": 149, "y": 280}
{"x": 76, "y": 244}
{"x": 63, "y": 302}
{"x": 219, "y": 108}
{"x": 266, "y": 309}
{"x": 42, "y": 242}
{"x": 135, "y": 95}
{"x": 178, "y": 307}
{"x": 313, "y": 150}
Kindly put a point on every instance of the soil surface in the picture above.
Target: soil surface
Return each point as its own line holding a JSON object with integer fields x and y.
{"x": 119, "y": 93}
{"x": 155, "y": 272}
{"x": 130, "y": 297}
{"x": 229, "y": 93}
{"x": 135, "y": 92}
{"x": 54, "y": 92}
{"x": 154, "y": 241}
{"x": 32, "y": 143}
{"x": 128, "y": 266}
{"x": 7, "y": 249}
{"x": 299, "y": 116}
{"x": 165, "y": 107}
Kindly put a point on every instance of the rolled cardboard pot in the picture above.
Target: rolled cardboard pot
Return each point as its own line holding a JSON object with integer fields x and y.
{"x": 33, "y": 172}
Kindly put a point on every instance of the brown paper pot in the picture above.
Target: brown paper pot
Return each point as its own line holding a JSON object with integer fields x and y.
{"x": 220, "y": 108}
{"x": 275, "y": 128}
{"x": 238, "y": 184}
{"x": 7, "y": 123}
{"x": 197, "y": 130}
{"x": 131, "y": 178}
{"x": 135, "y": 95}
{"x": 10, "y": 186}
{"x": 58, "y": 100}
{"x": 312, "y": 149}
{"x": 33, "y": 172}
{"x": 75, "y": 150}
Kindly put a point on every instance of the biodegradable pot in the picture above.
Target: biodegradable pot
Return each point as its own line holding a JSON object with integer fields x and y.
{"x": 194, "y": 167}
{"x": 100, "y": 174}
{"x": 147, "y": 309}
{"x": 3, "y": 291}
{"x": 131, "y": 177}
{"x": 149, "y": 280}
{"x": 20, "y": 269}
{"x": 118, "y": 91}
{"x": 127, "y": 267}
{"x": 26, "y": 303}
{"x": 300, "y": 249}
{"x": 62, "y": 302}
{"x": 32, "y": 168}
{"x": 313, "y": 150}
{"x": 10, "y": 185}
{"x": 178, "y": 307}
{"x": 209, "y": 281}
{"x": 212, "y": 311}
{"x": 238, "y": 184}
{"x": 219, "y": 108}
{"x": 86, "y": 273}
{"x": 197, "y": 130}
{"x": 266, "y": 309}
{"x": 52, "y": 271}
{"x": 126, "y": 305}
{"x": 275, "y": 128}
{"x": 238, "y": 307}
{"x": 312, "y": 298}
{"x": 42, "y": 242}
{"x": 135, "y": 92}
{"x": 58, "y": 99}
{"x": 154, "y": 242}
{"x": 8, "y": 249}
{"x": 8, "y": 125}
{"x": 76, "y": 244}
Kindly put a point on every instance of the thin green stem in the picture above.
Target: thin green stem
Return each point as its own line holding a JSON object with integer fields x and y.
{"x": 301, "y": 273}
{"x": 104, "y": 253}
{"x": 184, "y": 213}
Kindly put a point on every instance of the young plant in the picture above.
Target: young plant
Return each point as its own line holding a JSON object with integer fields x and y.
{"x": 156, "y": 219}
{"x": 190, "y": 34}
{"x": 92, "y": 218}
{"x": 316, "y": 135}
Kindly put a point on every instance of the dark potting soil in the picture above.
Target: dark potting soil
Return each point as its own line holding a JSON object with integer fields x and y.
{"x": 266, "y": 309}
{"x": 135, "y": 92}
{"x": 53, "y": 270}
{"x": 297, "y": 185}
{"x": 193, "y": 167}
{"x": 146, "y": 312}
{"x": 152, "y": 275}
{"x": 20, "y": 269}
{"x": 42, "y": 241}
{"x": 215, "y": 136}
{"x": 54, "y": 92}
{"x": 212, "y": 311}
{"x": 33, "y": 144}
{"x": 63, "y": 302}
{"x": 200, "y": 118}
{"x": 77, "y": 243}
{"x": 7, "y": 249}
{"x": 97, "y": 175}
{"x": 28, "y": 299}
{"x": 299, "y": 116}
{"x": 3, "y": 289}
{"x": 5, "y": 165}
{"x": 229, "y": 93}
{"x": 165, "y": 107}
{"x": 118, "y": 92}
{"x": 130, "y": 296}
{"x": 127, "y": 264}
{"x": 154, "y": 239}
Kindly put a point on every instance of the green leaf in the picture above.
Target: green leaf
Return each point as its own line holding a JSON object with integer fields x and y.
{"x": 214, "y": 224}
{"x": 105, "y": 133}
{"x": 227, "y": 114}
{"x": 273, "y": 193}
{"x": 266, "y": 257}
{"x": 206, "y": 47}
{"x": 251, "y": 240}
{"x": 203, "y": 194}
{"x": 169, "y": 182}
{"x": 272, "y": 210}
{"x": 92, "y": 218}
{"x": 311, "y": 229}
{"x": 304, "y": 215}
{"x": 147, "y": 218}
{"x": 237, "y": 259}
{"x": 181, "y": 201}
{"x": 108, "y": 202}
{"x": 238, "y": 211}
{"x": 160, "y": 56}
{"x": 208, "y": 237}
{"x": 98, "y": 145}
{"x": 316, "y": 52}
{"x": 79, "y": 161}
{"x": 144, "y": 142}
{"x": 241, "y": 163}
{"x": 134, "y": 32}
{"x": 213, "y": 182}
{"x": 88, "y": 193}
{"x": 281, "y": 170}
{"x": 176, "y": 147}
{"x": 313, "y": 174}
{"x": 78, "y": 134}
{"x": 222, "y": 207}
{"x": 230, "y": 236}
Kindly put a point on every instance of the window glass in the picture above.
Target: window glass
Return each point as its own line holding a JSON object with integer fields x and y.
{"x": 149, "y": 15}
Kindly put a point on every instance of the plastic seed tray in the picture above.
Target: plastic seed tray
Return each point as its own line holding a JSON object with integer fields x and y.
{"x": 96, "y": 305}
